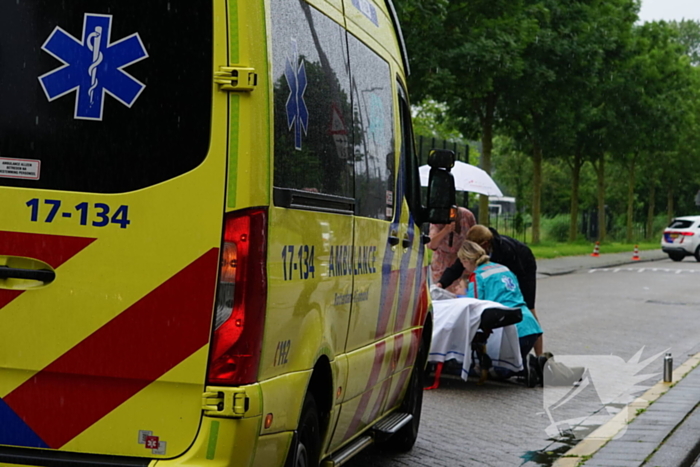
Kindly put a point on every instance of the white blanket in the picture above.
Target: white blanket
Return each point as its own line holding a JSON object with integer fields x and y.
{"x": 455, "y": 323}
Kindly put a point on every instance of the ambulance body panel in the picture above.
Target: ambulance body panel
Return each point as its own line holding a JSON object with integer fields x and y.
{"x": 210, "y": 217}
{"x": 109, "y": 356}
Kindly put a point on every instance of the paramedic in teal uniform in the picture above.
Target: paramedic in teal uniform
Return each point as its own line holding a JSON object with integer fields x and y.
{"x": 495, "y": 282}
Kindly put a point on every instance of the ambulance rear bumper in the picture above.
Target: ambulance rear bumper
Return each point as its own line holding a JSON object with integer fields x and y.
{"x": 220, "y": 442}
{"x": 42, "y": 457}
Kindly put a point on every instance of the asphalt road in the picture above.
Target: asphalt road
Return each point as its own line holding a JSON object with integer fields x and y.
{"x": 612, "y": 319}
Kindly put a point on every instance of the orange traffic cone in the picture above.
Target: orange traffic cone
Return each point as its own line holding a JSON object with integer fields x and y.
{"x": 635, "y": 256}
{"x": 596, "y": 250}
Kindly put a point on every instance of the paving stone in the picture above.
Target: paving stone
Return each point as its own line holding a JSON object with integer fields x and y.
{"x": 679, "y": 406}
{"x": 611, "y": 463}
{"x": 660, "y": 418}
{"x": 629, "y": 446}
{"x": 660, "y": 412}
{"x": 645, "y": 435}
{"x": 621, "y": 456}
{"x": 658, "y": 421}
{"x": 682, "y": 446}
{"x": 650, "y": 427}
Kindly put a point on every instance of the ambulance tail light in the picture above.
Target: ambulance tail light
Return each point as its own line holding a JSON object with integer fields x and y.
{"x": 240, "y": 300}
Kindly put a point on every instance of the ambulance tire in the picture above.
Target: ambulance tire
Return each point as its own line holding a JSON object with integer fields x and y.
{"x": 307, "y": 450}
{"x": 405, "y": 438}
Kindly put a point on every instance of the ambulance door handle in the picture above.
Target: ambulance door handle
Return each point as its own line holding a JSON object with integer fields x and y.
{"x": 406, "y": 242}
{"x": 394, "y": 239}
{"x": 41, "y": 275}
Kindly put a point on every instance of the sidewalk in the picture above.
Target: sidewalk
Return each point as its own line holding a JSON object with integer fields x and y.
{"x": 659, "y": 429}
{"x": 569, "y": 264}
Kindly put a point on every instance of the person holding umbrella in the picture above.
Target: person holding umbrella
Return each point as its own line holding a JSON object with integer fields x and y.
{"x": 445, "y": 241}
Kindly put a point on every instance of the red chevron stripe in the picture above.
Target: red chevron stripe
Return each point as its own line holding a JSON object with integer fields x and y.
{"x": 420, "y": 308}
{"x": 393, "y": 399}
{"x": 405, "y": 298}
{"x": 398, "y": 350}
{"x": 379, "y": 351}
{"x": 389, "y": 284}
{"x": 410, "y": 360}
{"x": 121, "y": 358}
{"x": 51, "y": 249}
{"x": 416, "y": 336}
{"x": 380, "y": 400}
{"x": 6, "y": 296}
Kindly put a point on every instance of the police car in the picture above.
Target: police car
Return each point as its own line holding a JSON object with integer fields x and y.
{"x": 682, "y": 238}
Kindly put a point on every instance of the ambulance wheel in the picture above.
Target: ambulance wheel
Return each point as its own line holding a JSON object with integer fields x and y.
{"x": 308, "y": 446}
{"x": 697, "y": 254}
{"x": 404, "y": 439}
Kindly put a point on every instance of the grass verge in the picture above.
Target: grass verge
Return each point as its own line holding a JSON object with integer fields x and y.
{"x": 547, "y": 250}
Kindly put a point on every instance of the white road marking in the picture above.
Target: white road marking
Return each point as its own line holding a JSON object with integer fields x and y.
{"x": 640, "y": 270}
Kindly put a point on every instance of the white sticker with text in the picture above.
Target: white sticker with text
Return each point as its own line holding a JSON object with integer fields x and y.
{"x": 28, "y": 169}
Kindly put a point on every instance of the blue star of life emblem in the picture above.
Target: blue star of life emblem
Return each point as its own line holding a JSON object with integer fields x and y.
{"x": 93, "y": 67}
{"x": 297, "y": 113}
{"x": 508, "y": 282}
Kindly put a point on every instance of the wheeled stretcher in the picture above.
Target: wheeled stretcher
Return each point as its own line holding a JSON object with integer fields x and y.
{"x": 464, "y": 328}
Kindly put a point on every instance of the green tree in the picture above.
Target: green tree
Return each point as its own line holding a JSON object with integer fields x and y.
{"x": 433, "y": 119}
{"x": 555, "y": 104}
{"x": 652, "y": 99}
{"x": 572, "y": 84}
{"x": 469, "y": 52}
{"x": 689, "y": 37}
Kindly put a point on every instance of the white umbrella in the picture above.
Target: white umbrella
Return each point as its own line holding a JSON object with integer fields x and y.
{"x": 467, "y": 178}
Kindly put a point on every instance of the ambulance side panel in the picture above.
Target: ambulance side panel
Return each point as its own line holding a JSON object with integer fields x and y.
{"x": 382, "y": 347}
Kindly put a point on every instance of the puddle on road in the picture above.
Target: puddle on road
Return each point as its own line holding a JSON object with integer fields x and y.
{"x": 547, "y": 456}
{"x": 569, "y": 436}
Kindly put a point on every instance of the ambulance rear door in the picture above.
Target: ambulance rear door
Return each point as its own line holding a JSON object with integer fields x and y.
{"x": 112, "y": 166}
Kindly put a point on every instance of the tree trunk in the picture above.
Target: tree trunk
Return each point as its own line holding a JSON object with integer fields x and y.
{"x": 487, "y": 146}
{"x": 536, "y": 191}
{"x": 600, "y": 172}
{"x": 651, "y": 209}
{"x": 575, "y": 186}
{"x": 630, "y": 198}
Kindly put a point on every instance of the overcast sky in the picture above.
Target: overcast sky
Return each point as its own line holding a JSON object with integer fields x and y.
{"x": 653, "y": 10}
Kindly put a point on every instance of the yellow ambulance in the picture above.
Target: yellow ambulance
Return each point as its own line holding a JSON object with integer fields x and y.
{"x": 210, "y": 233}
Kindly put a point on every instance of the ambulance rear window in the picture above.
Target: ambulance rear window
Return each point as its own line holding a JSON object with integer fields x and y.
{"x": 103, "y": 97}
